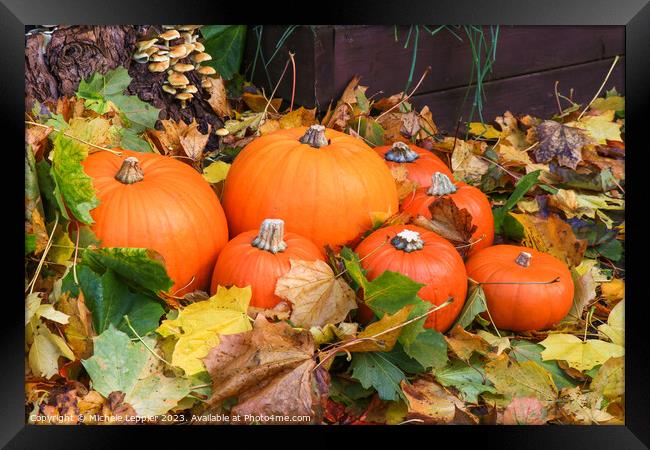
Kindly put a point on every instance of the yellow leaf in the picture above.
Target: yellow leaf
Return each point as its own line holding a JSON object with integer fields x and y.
{"x": 501, "y": 343}
{"x": 485, "y": 131}
{"x": 199, "y": 325}
{"x": 257, "y": 103}
{"x": 464, "y": 344}
{"x": 601, "y": 127}
{"x": 269, "y": 126}
{"x": 610, "y": 379}
{"x": 521, "y": 379}
{"x": 464, "y": 162}
{"x": 330, "y": 333}
{"x": 300, "y": 117}
{"x": 384, "y": 340}
{"x": 509, "y": 155}
{"x": 613, "y": 290}
{"x": 317, "y": 296}
{"x": 583, "y": 205}
{"x": 611, "y": 103}
{"x": 216, "y": 172}
{"x": 45, "y": 351}
{"x": 614, "y": 329}
{"x": 580, "y": 355}
{"x": 193, "y": 141}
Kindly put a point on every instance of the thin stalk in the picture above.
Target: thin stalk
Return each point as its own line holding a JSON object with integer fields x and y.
{"x": 600, "y": 88}
{"x": 32, "y": 283}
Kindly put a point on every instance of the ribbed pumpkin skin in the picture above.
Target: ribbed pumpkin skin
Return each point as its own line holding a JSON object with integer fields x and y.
{"x": 325, "y": 194}
{"x": 240, "y": 264}
{"x": 520, "y": 307}
{"x": 172, "y": 210}
{"x": 466, "y": 197}
{"x": 438, "y": 265}
{"x": 421, "y": 169}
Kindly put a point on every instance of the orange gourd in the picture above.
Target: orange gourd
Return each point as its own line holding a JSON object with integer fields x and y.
{"x": 424, "y": 257}
{"x": 519, "y": 286}
{"x": 258, "y": 259}
{"x": 465, "y": 197}
{"x": 324, "y": 184}
{"x": 152, "y": 201}
{"x": 419, "y": 163}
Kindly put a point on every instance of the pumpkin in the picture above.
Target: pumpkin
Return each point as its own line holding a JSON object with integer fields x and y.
{"x": 419, "y": 163}
{"x": 424, "y": 257}
{"x": 156, "y": 202}
{"x": 326, "y": 185}
{"x": 258, "y": 259}
{"x": 525, "y": 289}
{"x": 465, "y": 197}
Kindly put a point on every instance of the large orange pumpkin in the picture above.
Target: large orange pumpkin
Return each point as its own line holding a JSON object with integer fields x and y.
{"x": 424, "y": 257}
{"x": 525, "y": 289}
{"x": 324, "y": 184}
{"x": 152, "y": 201}
{"x": 419, "y": 163}
{"x": 465, "y": 197}
{"x": 258, "y": 259}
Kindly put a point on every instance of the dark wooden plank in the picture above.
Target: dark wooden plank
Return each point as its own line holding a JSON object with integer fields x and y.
{"x": 526, "y": 94}
{"x": 371, "y": 51}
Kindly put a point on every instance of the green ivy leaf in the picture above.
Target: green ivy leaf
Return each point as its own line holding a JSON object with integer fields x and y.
{"x": 374, "y": 370}
{"x": 73, "y": 188}
{"x": 225, "y": 43}
{"x": 141, "y": 266}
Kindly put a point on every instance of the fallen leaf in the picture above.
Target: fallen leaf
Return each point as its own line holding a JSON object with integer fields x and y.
{"x": 610, "y": 379}
{"x": 199, "y": 326}
{"x": 216, "y": 172}
{"x": 501, "y": 343}
{"x": 614, "y": 329}
{"x": 317, "y": 295}
{"x": 574, "y": 204}
{"x": 584, "y": 281}
{"x": 485, "y": 131}
{"x": 579, "y": 354}
{"x": 552, "y": 235}
{"x": 269, "y": 126}
{"x": 218, "y": 99}
{"x": 521, "y": 379}
{"x": 600, "y": 128}
{"x": 448, "y": 221}
{"x": 258, "y": 103}
{"x": 525, "y": 411}
{"x": 561, "y": 142}
{"x": 78, "y": 331}
{"x": 613, "y": 290}
{"x": 45, "y": 350}
{"x": 582, "y": 408}
{"x": 468, "y": 378}
{"x": 405, "y": 186}
{"x": 410, "y": 124}
{"x": 465, "y": 163}
{"x": 300, "y": 117}
{"x": 464, "y": 344}
{"x": 510, "y": 156}
{"x": 429, "y": 403}
{"x": 193, "y": 141}
{"x": 383, "y": 340}
{"x": 610, "y": 103}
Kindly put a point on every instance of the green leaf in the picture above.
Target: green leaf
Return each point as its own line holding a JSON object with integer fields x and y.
{"x": 475, "y": 305}
{"x": 72, "y": 186}
{"x": 429, "y": 349}
{"x": 530, "y": 351}
{"x": 157, "y": 394}
{"x": 47, "y": 187}
{"x": 523, "y": 186}
{"x": 612, "y": 249}
{"x": 370, "y": 130}
{"x": 362, "y": 101}
{"x": 30, "y": 243}
{"x": 225, "y": 43}
{"x": 353, "y": 266}
{"x": 140, "y": 266}
{"x": 469, "y": 379}
{"x": 99, "y": 86}
{"x": 348, "y": 392}
{"x": 109, "y": 300}
{"x": 140, "y": 115}
{"x": 133, "y": 141}
{"x": 403, "y": 361}
{"x": 116, "y": 362}
{"x": 374, "y": 370}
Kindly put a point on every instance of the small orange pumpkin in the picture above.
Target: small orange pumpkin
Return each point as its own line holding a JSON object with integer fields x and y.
{"x": 525, "y": 289}
{"x": 419, "y": 163}
{"x": 325, "y": 185}
{"x": 152, "y": 201}
{"x": 424, "y": 257}
{"x": 258, "y": 259}
{"x": 465, "y": 197}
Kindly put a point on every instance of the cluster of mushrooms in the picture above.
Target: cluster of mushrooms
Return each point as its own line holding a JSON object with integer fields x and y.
{"x": 176, "y": 51}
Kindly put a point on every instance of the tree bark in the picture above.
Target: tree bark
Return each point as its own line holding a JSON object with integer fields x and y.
{"x": 55, "y": 65}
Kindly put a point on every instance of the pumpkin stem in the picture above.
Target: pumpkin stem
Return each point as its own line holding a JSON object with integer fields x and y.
{"x": 271, "y": 236}
{"x": 407, "y": 240}
{"x": 523, "y": 259}
{"x": 130, "y": 172}
{"x": 315, "y": 136}
{"x": 401, "y": 153}
{"x": 441, "y": 185}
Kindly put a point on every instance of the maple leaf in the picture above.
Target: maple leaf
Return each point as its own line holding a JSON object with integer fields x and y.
{"x": 583, "y": 408}
{"x": 524, "y": 411}
{"x": 301, "y": 117}
{"x": 448, "y": 221}
{"x": 561, "y": 142}
{"x": 429, "y": 403}
{"x": 525, "y": 379}
{"x": 218, "y": 100}
{"x": 405, "y": 186}
{"x": 193, "y": 141}
{"x": 383, "y": 339}
{"x": 199, "y": 326}
{"x": 317, "y": 295}
{"x": 579, "y": 354}
{"x": 269, "y": 369}
{"x": 610, "y": 379}
{"x": 464, "y": 344}
{"x": 601, "y": 128}
{"x": 614, "y": 329}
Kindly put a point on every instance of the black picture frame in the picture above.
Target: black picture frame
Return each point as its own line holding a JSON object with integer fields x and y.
{"x": 633, "y": 14}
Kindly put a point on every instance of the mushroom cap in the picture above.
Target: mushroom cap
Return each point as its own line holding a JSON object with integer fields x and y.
{"x": 182, "y": 67}
{"x": 167, "y": 88}
{"x": 169, "y": 35}
{"x": 199, "y": 47}
{"x": 178, "y": 51}
{"x": 177, "y": 79}
{"x": 187, "y": 27}
{"x": 206, "y": 70}
{"x": 160, "y": 66}
{"x": 201, "y": 57}
{"x": 187, "y": 37}
{"x": 141, "y": 57}
{"x": 190, "y": 48}
{"x": 191, "y": 89}
{"x": 184, "y": 96}
{"x": 206, "y": 83}
{"x": 143, "y": 45}
{"x": 158, "y": 57}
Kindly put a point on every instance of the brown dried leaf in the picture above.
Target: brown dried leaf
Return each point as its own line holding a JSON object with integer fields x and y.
{"x": 429, "y": 403}
{"x": 405, "y": 186}
{"x": 388, "y": 102}
{"x": 428, "y": 127}
{"x": 193, "y": 141}
{"x": 392, "y": 125}
{"x": 410, "y": 124}
{"x": 218, "y": 99}
{"x": 384, "y": 340}
{"x": 464, "y": 344}
{"x": 317, "y": 296}
{"x": 257, "y": 103}
{"x": 448, "y": 221}
{"x": 561, "y": 142}
{"x": 168, "y": 140}
{"x": 79, "y": 330}
{"x": 552, "y": 235}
